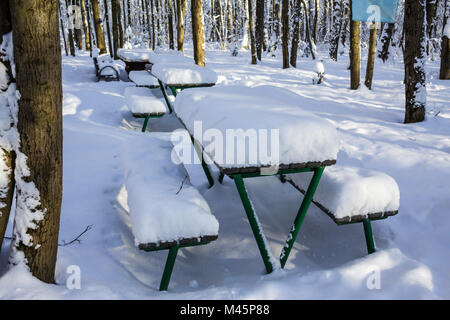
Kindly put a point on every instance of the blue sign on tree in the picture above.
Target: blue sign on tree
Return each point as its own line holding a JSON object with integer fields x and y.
{"x": 374, "y": 10}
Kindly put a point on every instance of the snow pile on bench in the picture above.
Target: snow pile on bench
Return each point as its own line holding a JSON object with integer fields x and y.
{"x": 303, "y": 137}
{"x": 107, "y": 66}
{"x": 164, "y": 206}
{"x": 142, "y": 101}
{"x": 137, "y": 55}
{"x": 183, "y": 74}
{"x": 351, "y": 194}
{"x": 143, "y": 79}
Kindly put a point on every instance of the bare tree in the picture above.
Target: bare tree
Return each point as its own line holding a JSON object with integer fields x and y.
{"x": 197, "y": 32}
{"x": 444, "y": 73}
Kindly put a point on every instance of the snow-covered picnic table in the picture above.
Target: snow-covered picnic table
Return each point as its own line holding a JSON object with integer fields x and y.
{"x": 262, "y": 131}
{"x": 179, "y": 75}
{"x": 239, "y": 122}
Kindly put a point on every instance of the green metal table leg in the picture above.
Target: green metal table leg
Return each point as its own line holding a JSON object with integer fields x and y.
{"x": 171, "y": 257}
{"x": 369, "y": 236}
{"x": 163, "y": 89}
{"x": 144, "y": 127}
{"x": 221, "y": 176}
{"x": 301, "y": 215}
{"x": 254, "y": 223}
{"x": 198, "y": 149}
{"x": 174, "y": 91}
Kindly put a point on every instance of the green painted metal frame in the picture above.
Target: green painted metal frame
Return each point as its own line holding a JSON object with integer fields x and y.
{"x": 170, "y": 263}
{"x": 163, "y": 89}
{"x": 258, "y": 233}
{"x": 146, "y": 120}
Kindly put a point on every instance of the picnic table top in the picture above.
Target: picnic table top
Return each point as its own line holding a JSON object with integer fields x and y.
{"x": 184, "y": 74}
{"x": 150, "y": 56}
{"x": 245, "y": 129}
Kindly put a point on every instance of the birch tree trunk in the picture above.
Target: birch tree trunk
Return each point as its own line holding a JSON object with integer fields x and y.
{"x": 37, "y": 55}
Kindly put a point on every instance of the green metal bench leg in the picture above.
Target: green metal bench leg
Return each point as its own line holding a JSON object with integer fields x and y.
{"x": 199, "y": 151}
{"x": 144, "y": 127}
{"x": 301, "y": 215}
{"x": 261, "y": 241}
{"x": 163, "y": 89}
{"x": 369, "y": 236}
{"x": 171, "y": 257}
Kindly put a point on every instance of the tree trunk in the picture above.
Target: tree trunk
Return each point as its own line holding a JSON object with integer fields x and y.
{"x": 98, "y": 26}
{"x": 87, "y": 37}
{"x": 153, "y": 24}
{"x": 285, "y": 38}
{"x": 119, "y": 22}
{"x": 355, "y": 54}
{"x": 115, "y": 27}
{"x": 259, "y": 28}
{"x": 414, "y": 58}
{"x": 70, "y": 39}
{"x": 444, "y": 73}
{"x": 371, "y": 56}
{"x": 295, "y": 34}
{"x": 252, "y": 34}
{"x": 336, "y": 30}
{"x": 62, "y": 27}
{"x": 7, "y": 157}
{"x": 383, "y": 54}
{"x": 158, "y": 29}
{"x": 37, "y": 55}
{"x": 108, "y": 29}
{"x": 229, "y": 21}
{"x": 312, "y": 47}
{"x": 197, "y": 32}
{"x": 78, "y": 33}
{"x": 88, "y": 16}
{"x": 181, "y": 9}
{"x": 170, "y": 22}
{"x": 316, "y": 17}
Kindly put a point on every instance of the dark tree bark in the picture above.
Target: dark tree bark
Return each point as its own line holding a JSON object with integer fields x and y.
{"x": 61, "y": 24}
{"x": 386, "y": 38}
{"x": 115, "y": 26}
{"x": 414, "y": 58}
{"x": 252, "y": 34}
{"x": 170, "y": 22}
{"x": 295, "y": 33}
{"x": 37, "y": 55}
{"x": 70, "y": 39}
{"x": 285, "y": 38}
{"x": 336, "y": 29}
{"x": 259, "y": 28}
{"x": 197, "y": 32}
{"x": 88, "y": 16}
{"x": 444, "y": 73}
{"x": 153, "y": 24}
{"x": 98, "y": 26}
{"x": 108, "y": 29}
{"x": 6, "y": 156}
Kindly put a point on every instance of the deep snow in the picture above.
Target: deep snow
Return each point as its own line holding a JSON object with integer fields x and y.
{"x": 330, "y": 262}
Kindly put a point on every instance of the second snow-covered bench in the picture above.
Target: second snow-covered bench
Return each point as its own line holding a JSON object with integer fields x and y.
{"x": 351, "y": 195}
{"x": 145, "y": 103}
{"x": 166, "y": 211}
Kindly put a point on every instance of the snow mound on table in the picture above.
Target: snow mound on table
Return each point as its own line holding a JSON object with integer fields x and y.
{"x": 302, "y": 136}
{"x": 350, "y": 191}
{"x": 165, "y": 57}
{"x": 141, "y": 55}
{"x": 143, "y": 100}
{"x": 143, "y": 78}
{"x": 164, "y": 206}
{"x": 172, "y": 73}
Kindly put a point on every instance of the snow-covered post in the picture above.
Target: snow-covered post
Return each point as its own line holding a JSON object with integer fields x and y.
{"x": 414, "y": 57}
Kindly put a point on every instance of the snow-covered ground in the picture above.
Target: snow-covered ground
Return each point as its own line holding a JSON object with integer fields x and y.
{"x": 327, "y": 262}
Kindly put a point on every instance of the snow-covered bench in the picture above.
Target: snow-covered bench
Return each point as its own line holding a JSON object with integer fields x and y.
{"x": 105, "y": 68}
{"x": 145, "y": 103}
{"x": 178, "y": 76}
{"x": 352, "y": 195}
{"x": 240, "y": 121}
{"x": 166, "y": 211}
{"x": 134, "y": 59}
{"x": 143, "y": 78}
